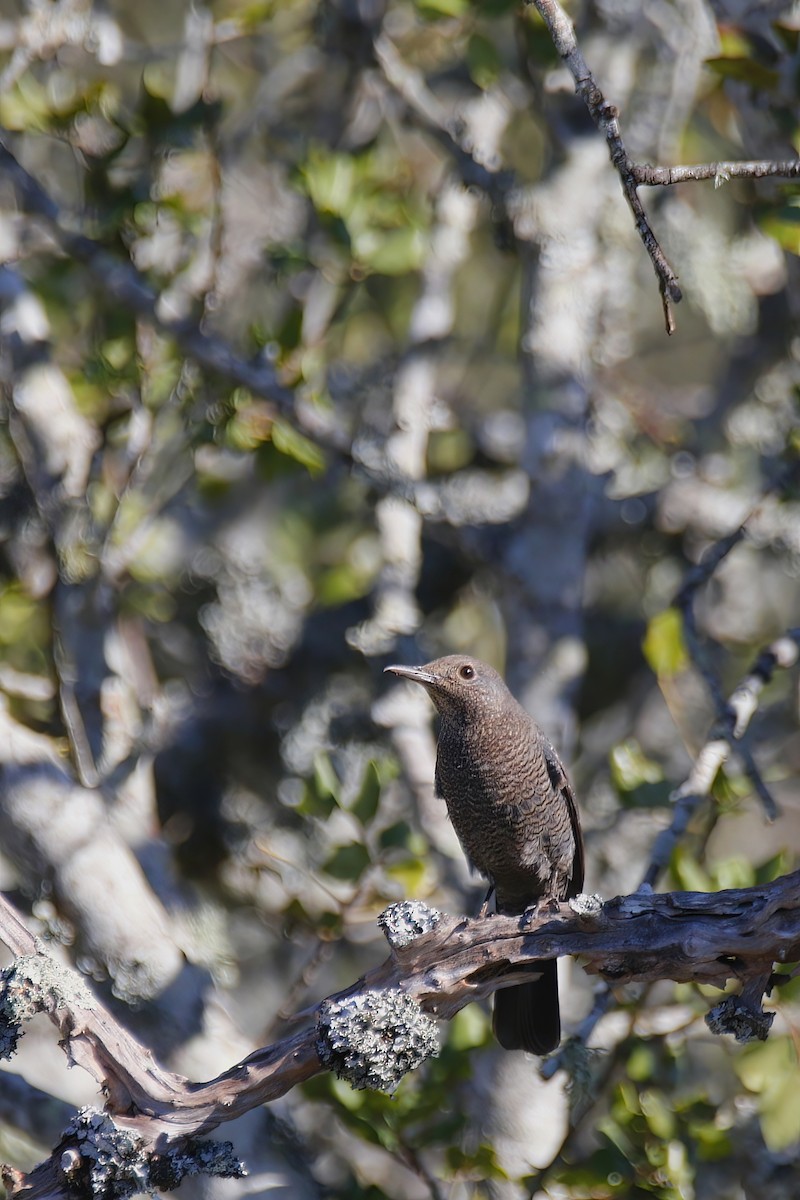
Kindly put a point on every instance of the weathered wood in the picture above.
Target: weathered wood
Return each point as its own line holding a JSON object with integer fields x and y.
{"x": 684, "y": 936}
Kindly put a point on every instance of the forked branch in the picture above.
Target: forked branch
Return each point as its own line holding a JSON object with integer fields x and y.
{"x": 632, "y": 174}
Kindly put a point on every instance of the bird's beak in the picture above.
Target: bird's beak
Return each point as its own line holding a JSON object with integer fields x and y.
{"x": 417, "y": 674}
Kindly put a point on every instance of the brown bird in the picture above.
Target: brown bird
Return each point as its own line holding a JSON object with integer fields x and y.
{"x": 512, "y": 807}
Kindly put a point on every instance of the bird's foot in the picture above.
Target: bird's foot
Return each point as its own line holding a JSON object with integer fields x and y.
{"x": 544, "y": 905}
{"x": 484, "y": 908}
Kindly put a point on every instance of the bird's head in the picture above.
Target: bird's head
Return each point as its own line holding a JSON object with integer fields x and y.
{"x": 461, "y": 687}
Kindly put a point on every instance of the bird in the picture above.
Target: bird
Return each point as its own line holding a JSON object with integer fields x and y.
{"x": 514, "y": 811}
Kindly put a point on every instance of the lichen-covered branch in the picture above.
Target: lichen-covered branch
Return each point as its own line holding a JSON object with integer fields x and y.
{"x": 684, "y": 936}
{"x": 606, "y": 118}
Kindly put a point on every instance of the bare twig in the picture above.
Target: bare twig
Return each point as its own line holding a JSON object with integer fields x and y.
{"x": 411, "y": 86}
{"x": 739, "y": 709}
{"x": 695, "y": 579}
{"x": 720, "y": 172}
{"x": 632, "y": 175}
{"x": 606, "y": 118}
{"x": 730, "y": 725}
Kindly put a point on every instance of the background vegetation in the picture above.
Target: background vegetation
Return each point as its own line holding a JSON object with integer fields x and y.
{"x": 465, "y": 429}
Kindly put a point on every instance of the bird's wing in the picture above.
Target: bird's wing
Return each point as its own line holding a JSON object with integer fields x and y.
{"x": 558, "y": 778}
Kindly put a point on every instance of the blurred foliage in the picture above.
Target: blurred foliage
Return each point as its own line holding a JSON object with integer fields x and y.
{"x": 179, "y": 552}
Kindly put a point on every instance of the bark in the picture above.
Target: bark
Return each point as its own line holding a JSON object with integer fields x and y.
{"x": 706, "y": 938}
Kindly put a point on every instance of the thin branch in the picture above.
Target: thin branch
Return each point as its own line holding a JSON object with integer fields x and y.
{"x": 720, "y": 172}
{"x": 695, "y": 579}
{"x": 741, "y": 706}
{"x": 632, "y": 175}
{"x": 125, "y": 285}
{"x": 731, "y": 725}
{"x": 742, "y": 703}
{"x": 448, "y": 131}
{"x": 606, "y": 118}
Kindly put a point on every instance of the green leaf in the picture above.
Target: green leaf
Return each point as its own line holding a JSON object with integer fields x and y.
{"x": 468, "y": 1028}
{"x": 313, "y": 804}
{"x": 329, "y": 180}
{"x": 734, "y": 872}
{"x": 687, "y": 871}
{"x": 341, "y": 584}
{"x": 657, "y": 1112}
{"x": 783, "y": 224}
{"x": 641, "y": 1062}
{"x": 118, "y": 352}
{"x": 663, "y": 645}
{"x": 713, "y": 1143}
{"x": 326, "y": 781}
{"x": 348, "y": 862}
{"x": 770, "y": 1070}
{"x": 412, "y": 873}
{"x": 630, "y": 767}
{"x": 390, "y": 251}
{"x": 481, "y": 1161}
{"x": 483, "y": 60}
{"x": 449, "y": 450}
{"x": 494, "y": 8}
{"x": 441, "y": 8}
{"x": 395, "y": 836}
{"x": 366, "y": 802}
{"x": 774, "y": 867}
{"x": 287, "y": 440}
{"x": 637, "y": 778}
{"x": 744, "y": 70}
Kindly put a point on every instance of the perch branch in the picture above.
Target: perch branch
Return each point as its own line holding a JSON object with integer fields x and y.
{"x": 683, "y": 936}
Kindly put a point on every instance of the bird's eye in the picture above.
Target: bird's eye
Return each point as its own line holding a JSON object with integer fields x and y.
{"x": 466, "y": 672}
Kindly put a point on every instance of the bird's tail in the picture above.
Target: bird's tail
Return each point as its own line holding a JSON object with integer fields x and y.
{"x": 527, "y": 1016}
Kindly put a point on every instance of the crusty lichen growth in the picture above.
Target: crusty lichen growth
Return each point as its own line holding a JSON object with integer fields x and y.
{"x": 734, "y": 1016}
{"x": 404, "y": 922}
{"x": 202, "y": 1157}
{"x": 36, "y": 983}
{"x": 586, "y": 904}
{"x": 374, "y": 1038}
{"x": 111, "y": 1163}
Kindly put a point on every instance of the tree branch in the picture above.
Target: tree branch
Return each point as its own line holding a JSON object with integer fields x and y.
{"x": 126, "y": 286}
{"x": 734, "y": 716}
{"x": 683, "y": 936}
{"x": 606, "y": 118}
{"x": 720, "y": 172}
